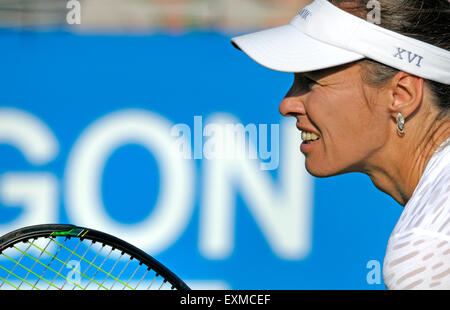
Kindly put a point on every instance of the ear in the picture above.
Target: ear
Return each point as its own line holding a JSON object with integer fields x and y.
{"x": 406, "y": 92}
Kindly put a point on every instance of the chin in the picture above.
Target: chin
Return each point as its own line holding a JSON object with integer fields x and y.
{"x": 324, "y": 171}
{"x": 318, "y": 172}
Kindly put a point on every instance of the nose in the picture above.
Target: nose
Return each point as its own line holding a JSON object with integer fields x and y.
{"x": 292, "y": 106}
{"x": 293, "y": 102}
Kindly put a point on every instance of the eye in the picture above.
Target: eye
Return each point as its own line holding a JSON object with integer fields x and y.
{"x": 303, "y": 82}
{"x": 309, "y": 82}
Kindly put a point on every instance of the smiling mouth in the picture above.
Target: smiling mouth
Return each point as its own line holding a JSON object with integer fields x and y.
{"x": 309, "y": 137}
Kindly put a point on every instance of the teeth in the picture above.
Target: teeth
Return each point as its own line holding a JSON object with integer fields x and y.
{"x": 309, "y": 136}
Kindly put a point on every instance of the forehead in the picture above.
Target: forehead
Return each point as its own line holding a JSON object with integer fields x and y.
{"x": 333, "y": 72}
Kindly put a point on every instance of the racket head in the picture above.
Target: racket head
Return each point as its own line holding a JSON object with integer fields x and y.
{"x": 62, "y": 256}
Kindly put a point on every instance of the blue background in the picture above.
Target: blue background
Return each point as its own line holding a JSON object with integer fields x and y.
{"x": 70, "y": 80}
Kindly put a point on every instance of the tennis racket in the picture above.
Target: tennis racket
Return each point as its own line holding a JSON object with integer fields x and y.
{"x": 67, "y": 257}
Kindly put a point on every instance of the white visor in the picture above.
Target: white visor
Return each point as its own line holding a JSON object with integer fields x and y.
{"x": 323, "y": 36}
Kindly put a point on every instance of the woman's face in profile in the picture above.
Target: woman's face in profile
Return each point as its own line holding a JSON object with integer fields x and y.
{"x": 348, "y": 116}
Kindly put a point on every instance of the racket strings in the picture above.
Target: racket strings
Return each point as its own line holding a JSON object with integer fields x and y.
{"x": 12, "y": 270}
{"x": 73, "y": 264}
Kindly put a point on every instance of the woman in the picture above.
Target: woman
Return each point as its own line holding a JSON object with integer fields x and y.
{"x": 375, "y": 99}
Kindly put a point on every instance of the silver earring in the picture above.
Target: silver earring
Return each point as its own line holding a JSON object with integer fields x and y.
{"x": 400, "y": 124}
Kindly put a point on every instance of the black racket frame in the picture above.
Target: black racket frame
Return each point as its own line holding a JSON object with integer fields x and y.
{"x": 51, "y": 230}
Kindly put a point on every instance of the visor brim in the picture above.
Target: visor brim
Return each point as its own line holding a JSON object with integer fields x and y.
{"x": 287, "y": 49}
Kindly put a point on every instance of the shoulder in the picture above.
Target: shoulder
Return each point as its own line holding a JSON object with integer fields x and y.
{"x": 435, "y": 179}
{"x": 418, "y": 252}
{"x": 418, "y": 259}
{"x": 429, "y": 206}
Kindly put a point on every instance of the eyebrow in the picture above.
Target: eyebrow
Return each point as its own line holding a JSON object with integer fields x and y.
{"x": 318, "y": 74}
{"x": 309, "y": 75}
{"x": 312, "y": 75}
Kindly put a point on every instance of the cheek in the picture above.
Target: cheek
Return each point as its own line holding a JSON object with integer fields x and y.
{"x": 348, "y": 128}
{"x": 339, "y": 116}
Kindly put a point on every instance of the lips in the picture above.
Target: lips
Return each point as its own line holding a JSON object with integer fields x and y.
{"x": 308, "y": 135}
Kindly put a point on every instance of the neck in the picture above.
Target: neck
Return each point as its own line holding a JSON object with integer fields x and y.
{"x": 400, "y": 172}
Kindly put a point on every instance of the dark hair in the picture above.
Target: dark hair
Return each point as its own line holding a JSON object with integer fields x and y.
{"x": 425, "y": 20}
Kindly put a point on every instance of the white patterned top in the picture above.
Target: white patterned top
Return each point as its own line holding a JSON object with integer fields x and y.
{"x": 418, "y": 251}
